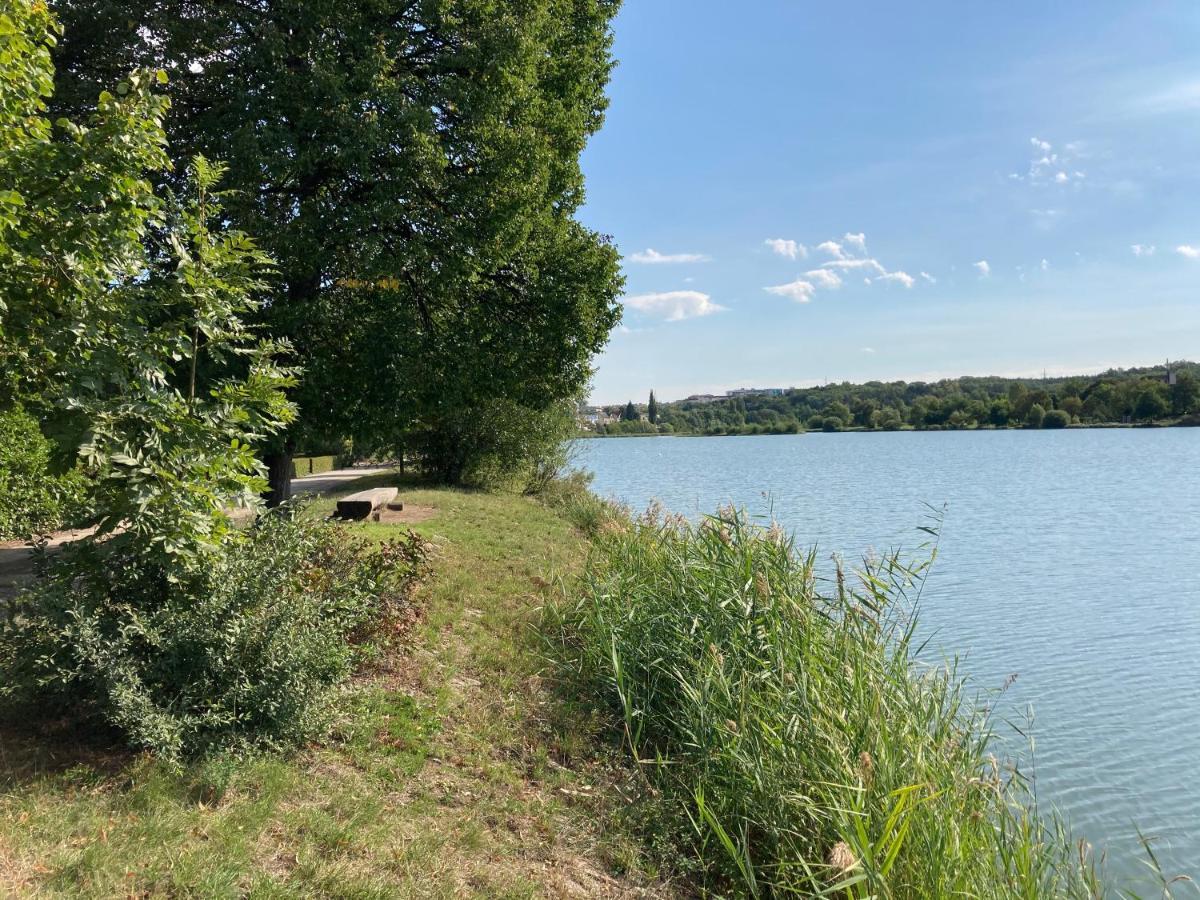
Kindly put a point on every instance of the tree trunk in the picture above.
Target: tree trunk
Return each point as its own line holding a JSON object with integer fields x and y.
{"x": 279, "y": 475}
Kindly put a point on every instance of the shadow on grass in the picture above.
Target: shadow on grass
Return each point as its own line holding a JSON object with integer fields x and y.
{"x": 37, "y": 746}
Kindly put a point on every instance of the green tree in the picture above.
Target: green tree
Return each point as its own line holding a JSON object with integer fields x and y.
{"x": 840, "y": 411}
{"x": 1035, "y": 416}
{"x": 413, "y": 168}
{"x": 1185, "y": 394}
{"x": 1152, "y": 402}
{"x": 630, "y": 413}
{"x": 652, "y": 410}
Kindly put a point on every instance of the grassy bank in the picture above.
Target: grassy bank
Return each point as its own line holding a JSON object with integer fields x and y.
{"x": 792, "y": 744}
{"x": 451, "y": 772}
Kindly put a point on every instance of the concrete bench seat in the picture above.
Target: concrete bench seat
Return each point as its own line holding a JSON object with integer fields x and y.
{"x": 362, "y": 504}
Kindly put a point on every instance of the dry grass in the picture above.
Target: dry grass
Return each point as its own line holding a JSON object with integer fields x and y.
{"x": 452, "y": 772}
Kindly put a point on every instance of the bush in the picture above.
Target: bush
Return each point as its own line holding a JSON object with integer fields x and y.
{"x": 792, "y": 743}
{"x": 831, "y": 423}
{"x": 242, "y": 654}
{"x": 1056, "y": 418}
{"x": 32, "y": 500}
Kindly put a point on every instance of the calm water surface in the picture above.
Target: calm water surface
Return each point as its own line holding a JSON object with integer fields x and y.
{"x": 1067, "y": 557}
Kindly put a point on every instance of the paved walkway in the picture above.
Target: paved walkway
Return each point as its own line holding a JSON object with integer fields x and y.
{"x": 334, "y": 480}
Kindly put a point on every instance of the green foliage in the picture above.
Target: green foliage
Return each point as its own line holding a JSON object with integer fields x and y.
{"x": 1056, "y": 418}
{"x": 30, "y": 497}
{"x": 1035, "y": 416}
{"x": 652, "y": 410}
{"x": 630, "y": 413}
{"x": 1185, "y": 394}
{"x": 500, "y": 444}
{"x": 952, "y": 403}
{"x": 793, "y": 742}
{"x": 416, "y": 179}
{"x": 242, "y": 653}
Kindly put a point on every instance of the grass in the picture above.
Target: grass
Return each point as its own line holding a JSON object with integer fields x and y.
{"x": 452, "y": 771}
{"x": 793, "y": 743}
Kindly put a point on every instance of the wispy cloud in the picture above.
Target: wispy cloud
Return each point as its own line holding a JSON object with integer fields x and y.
{"x": 800, "y": 291}
{"x": 1045, "y": 265}
{"x": 650, "y": 256}
{"x": 1178, "y": 98}
{"x": 984, "y": 268}
{"x": 833, "y": 248}
{"x": 899, "y": 278}
{"x": 1143, "y": 249}
{"x": 848, "y": 255}
{"x": 872, "y": 265}
{"x": 674, "y": 306}
{"x": 784, "y": 247}
{"x": 857, "y": 241}
{"x": 868, "y": 349}
{"x": 824, "y": 278}
{"x": 1188, "y": 250}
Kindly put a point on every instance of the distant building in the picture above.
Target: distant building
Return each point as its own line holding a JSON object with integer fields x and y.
{"x": 703, "y": 398}
{"x": 756, "y": 392}
{"x": 595, "y": 416}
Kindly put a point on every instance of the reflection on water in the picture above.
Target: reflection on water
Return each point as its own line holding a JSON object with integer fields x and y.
{"x": 1067, "y": 557}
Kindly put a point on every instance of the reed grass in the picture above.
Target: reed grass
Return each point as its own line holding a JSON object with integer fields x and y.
{"x": 795, "y": 742}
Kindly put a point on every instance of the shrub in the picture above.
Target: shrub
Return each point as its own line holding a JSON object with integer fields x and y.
{"x": 28, "y": 502}
{"x": 831, "y": 423}
{"x": 794, "y": 744}
{"x": 242, "y": 654}
{"x": 32, "y": 499}
{"x": 1056, "y": 418}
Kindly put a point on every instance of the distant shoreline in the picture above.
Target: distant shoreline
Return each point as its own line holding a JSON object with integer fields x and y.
{"x": 857, "y": 430}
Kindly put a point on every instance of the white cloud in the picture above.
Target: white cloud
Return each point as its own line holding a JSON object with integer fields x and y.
{"x": 1143, "y": 249}
{"x": 1188, "y": 250}
{"x": 899, "y": 278}
{"x": 788, "y": 248}
{"x": 674, "y": 306}
{"x": 833, "y": 248}
{"x": 824, "y": 278}
{"x": 871, "y": 264}
{"x": 858, "y": 241}
{"x": 984, "y": 269}
{"x": 1045, "y": 265}
{"x": 868, "y": 349}
{"x": 1047, "y": 166}
{"x": 650, "y": 256}
{"x": 929, "y": 278}
{"x": 799, "y": 290}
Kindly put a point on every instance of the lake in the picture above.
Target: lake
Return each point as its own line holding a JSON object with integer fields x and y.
{"x": 1069, "y": 558}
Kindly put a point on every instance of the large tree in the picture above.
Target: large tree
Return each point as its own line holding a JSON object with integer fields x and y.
{"x": 412, "y": 165}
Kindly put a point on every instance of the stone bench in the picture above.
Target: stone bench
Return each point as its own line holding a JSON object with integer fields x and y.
{"x": 364, "y": 503}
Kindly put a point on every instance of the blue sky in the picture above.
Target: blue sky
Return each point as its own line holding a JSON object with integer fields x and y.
{"x": 971, "y": 189}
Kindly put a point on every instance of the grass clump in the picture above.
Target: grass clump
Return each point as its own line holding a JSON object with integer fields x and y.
{"x": 793, "y": 743}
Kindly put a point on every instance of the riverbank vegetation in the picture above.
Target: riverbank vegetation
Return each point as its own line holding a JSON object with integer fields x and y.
{"x": 789, "y": 741}
{"x": 1165, "y": 395}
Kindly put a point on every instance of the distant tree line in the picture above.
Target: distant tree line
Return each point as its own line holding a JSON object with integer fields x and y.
{"x": 1142, "y": 396}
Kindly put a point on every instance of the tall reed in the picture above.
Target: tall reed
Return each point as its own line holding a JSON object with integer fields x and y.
{"x": 787, "y": 725}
